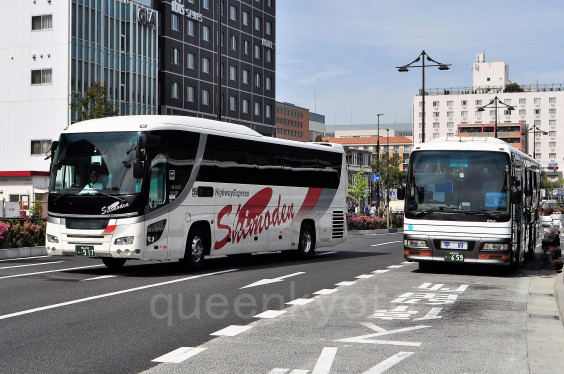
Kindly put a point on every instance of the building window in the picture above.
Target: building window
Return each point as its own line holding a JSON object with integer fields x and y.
{"x": 522, "y": 101}
{"x": 44, "y": 22}
{"x": 552, "y": 156}
{"x": 233, "y": 73}
{"x": 245, "y": 18}
{"x": 175, "y": 56}
{"x": 190, "y": 27}
{"x": 507, "y": 101}
{"x": 245, "y": 108}
{"x": 436, "y": 114}
{"x": 522, "y": 112}
{"x": 245, "y": 77}
{"x": 258, "y": 80}
{"x": 552, "y": 144}
{"x": 537, "y": 100}
{"x": 232, "y": 103}
{"x": 257, "y": 109}
{"x": 450, "y": 114}
{"x": 537, "y": 111}
{"x": 205, "y": 97}
{"x": 268, "y": 111}
{"x": 205, "y": 65}
{"x": 190, "y": 61}
{"x": 190, "y": 94}
{"x": 40, "y": 147}
{"x": 450, "y": 103}
{"x": 464, "y": 102}
{"x": 436, "y": 103}
{"x": 436, "y": 135}
{"x": 206, "y": 4}
{"x": 268, "y": 83}
{"x": 174, "y": 90}
{"x": 552, "y": 100}
{"x": 552, "y": 134}
{"x": 205, "y": 33}
{"x": 507, "y": 112}
{"x": 552, "y": 123}
{"x": 268, "y": 27}
{"x": 450, "y": 125}
{"x": 435, "y": 125}
{"x": 257, "y": 51}
{"x": 552, "y": 111}
{"x": 478, "y": 102}
{"x": 233, "y": 13}
{"x": 44, "y": 76}
{"x": 537, "y": 122}
{"x": 257, "y": 23}
{"x": 174, "y": 22}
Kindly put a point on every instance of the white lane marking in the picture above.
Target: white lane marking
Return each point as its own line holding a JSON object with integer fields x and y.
{"x": 379, "y": 271}
{"x": 300, "y": 302}
{"x": 22, "y": 258}
{"x": 272, "y": 280}
{"x": 325, "y": 361}
{"x": 49, "y": 271}
{"x": 179, "y": 355}
{"x": 408, "y": 262}
{"x": 388, "y": 363}
{"x": 326, "y": 291}
{"x": 326, "y": 253}
{"x": 77, "y": 301}
{"x": 97, "y": 278}
{"x": 394, "y": 266}
{"x": 365, "y": 276}
{"x": 26, "y": 265}
{"x": 377, "y": 245}
{"x": 270, "y": 314}
{"x": 345, "y": 283}
{"x": 278, "y": 371}
{"x": 231, "y": 330}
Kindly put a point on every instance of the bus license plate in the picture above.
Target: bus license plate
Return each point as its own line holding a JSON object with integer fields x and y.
{"x": 454, "y": 256}
{"x": 447, "y": 244}
{"x": 85, "y": 250}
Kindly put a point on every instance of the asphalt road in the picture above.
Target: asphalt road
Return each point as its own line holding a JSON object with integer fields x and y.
{"x": 70, "y": 315}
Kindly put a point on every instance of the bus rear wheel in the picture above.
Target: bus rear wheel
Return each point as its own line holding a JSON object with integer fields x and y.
{"x": 114, "y": 264}
{"x": 196, "y": 246}
{"x": 306, "y": 245}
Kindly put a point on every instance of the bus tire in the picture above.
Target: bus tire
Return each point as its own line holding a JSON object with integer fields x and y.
{"x": 196, "y": 247}
{"x": 306, "y": 244}
{"x": 114, "y": 264}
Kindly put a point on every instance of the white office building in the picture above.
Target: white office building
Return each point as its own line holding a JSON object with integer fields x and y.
{"x": 53, "y": 49}
{"x": 538, "y": 105}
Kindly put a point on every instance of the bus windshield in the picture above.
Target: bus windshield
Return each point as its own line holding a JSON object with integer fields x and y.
{"x": 463, "y": 182}
{"x": 95, "y": 163}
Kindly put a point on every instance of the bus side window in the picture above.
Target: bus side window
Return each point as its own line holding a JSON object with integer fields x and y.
{"x": 158, "y": 183}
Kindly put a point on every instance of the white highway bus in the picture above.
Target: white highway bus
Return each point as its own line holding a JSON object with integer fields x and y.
{"x": 470, "y": 200}
{"x": 175, "y": 187}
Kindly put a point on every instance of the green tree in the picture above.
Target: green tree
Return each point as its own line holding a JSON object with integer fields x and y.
{"x": 319, "y": 138}
{"x": 389, "y": 168}
{"x": 94, "y": 103}
{"x": 359, "y": 187}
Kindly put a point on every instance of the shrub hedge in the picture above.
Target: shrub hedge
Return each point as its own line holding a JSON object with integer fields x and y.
{"x": 16, "y": 234}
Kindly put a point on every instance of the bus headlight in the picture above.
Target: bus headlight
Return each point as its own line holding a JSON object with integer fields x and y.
{"x": 52, "y": 238}
{"x": 155, "y": 230}
{"x": 495, "y": 247}
{"x": 124, "y": 240}
{"x": 416, "y": 243}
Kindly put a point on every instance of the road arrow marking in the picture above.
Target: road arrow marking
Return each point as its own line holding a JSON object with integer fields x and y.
{"x": 262, "y": 282}
{"x": 388, "y": 363}
{"x": 366, "y": 339}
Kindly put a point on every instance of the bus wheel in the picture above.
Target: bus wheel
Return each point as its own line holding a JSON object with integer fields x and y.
{"x": 114, "y": 264}
{"x": 306, "y": 246}
{"x": 195, "y": 249}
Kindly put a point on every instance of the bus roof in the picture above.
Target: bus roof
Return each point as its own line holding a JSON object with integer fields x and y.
{"x": 203, "y": 125}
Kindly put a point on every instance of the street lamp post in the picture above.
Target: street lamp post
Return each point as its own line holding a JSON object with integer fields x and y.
{"x": 422, "y": 56}
{"x": 378, "y": 158}
{"x": 534, "y": 138}
{"x": 388, "y": 181}
{"x": 494, "y": 102}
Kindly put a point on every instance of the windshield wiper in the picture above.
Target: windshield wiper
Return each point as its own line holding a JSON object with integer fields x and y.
{"x": 424, "y": 212}
{"x": 98, "y": 192}
{"x": 66, "y": 192}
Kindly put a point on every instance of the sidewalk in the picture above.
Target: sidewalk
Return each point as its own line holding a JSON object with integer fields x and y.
{"x": 22, "y": 252}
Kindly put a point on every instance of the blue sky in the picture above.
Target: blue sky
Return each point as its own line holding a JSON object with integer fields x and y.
{"x": 338, "y": 58}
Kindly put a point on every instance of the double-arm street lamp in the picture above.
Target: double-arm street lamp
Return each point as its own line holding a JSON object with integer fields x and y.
{"x": 422, "y": 57}
{"x": 378, "y": 158}
{"x": 495, "y": 101}
{"x": 534, "y": 129}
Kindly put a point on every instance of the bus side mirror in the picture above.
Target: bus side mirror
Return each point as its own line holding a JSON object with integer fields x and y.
{"x": 146, "y": 141}
{"x": 138, "y": 168}
{"x": 401, "y": 193}
{"x": 53, "y": 149}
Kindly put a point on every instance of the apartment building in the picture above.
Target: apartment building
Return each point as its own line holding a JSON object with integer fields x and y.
{"x": 537, "y": 108}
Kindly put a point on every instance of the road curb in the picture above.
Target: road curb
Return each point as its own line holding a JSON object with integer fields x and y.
{"x": 22, "y": 252}
{"x": 559, "y": 293}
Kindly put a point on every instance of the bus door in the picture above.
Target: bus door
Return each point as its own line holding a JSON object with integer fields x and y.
{"x": 157, "y": 223}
